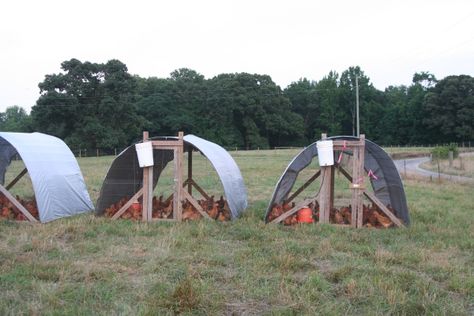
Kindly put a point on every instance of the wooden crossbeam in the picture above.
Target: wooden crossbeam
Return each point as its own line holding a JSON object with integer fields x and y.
{"x": 292, "y": 211}
{"x": 17, "y": 204}
{"x": 340, "y": 144}
{"x": 383, "y": 208}
{"x": 345, "y": 173}
{"x": 168, "y": 199}
{"x": 200, "y": 190}
{"x": 375, "y": 200}
{"x": 128, "y": 204}
{"x": 196, "y": 205}
{"x": 14, "y": 181}
{"x": 304, "y": 186}
{"x": 166, "y": 144}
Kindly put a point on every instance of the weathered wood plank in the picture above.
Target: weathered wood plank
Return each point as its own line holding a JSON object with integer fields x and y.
{"x": 17, "y": 178}
{"x": 383, "y": 208}
{"x": 200, "y": 190}
{"x": 147, "y": 193}
{"x": 196, "y": 205}
{"x": 165, "y": 144}
{"x": 325, "y": 195}
{"x": 304, "y": 186}
{"x": 292, "y": 211}
{"x": 17, "y": 204}
{"x": 190, "y": 171}
{"x": 128, "y": 204}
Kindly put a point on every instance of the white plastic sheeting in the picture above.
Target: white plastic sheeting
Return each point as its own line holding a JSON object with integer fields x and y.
{"x": 125, "y": 177}
{"x": 228, "y": 172}
{"x": 57, "y": 180}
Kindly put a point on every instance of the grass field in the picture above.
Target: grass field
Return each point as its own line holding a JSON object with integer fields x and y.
{"x": 88, "y": 265}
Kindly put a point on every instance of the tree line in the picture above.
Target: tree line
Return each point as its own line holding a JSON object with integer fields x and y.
{"x": 101, "y": 105}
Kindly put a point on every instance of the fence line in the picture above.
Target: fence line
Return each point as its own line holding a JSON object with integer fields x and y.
{"x": 99, "y": 152}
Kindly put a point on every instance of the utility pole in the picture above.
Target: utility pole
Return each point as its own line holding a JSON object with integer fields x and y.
{"x": 357, "y": 105}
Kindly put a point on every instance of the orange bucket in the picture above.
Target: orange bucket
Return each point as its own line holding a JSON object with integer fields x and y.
{"x": 305, "y": 215}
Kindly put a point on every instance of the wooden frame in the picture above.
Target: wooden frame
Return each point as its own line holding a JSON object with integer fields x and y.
{"x": 182, "y": 189}
{"x": 13, "y": 200}
{"x": 326, "y": 194}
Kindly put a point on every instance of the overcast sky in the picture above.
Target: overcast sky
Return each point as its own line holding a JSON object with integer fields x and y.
{"x": 288, "y": 40}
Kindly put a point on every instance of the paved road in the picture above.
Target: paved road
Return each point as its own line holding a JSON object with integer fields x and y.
{"x": 412, "y": 166}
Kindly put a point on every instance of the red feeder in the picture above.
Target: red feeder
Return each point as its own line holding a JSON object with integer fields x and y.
{"x": 305, "y": 215}
{"x": 136, "y": 206}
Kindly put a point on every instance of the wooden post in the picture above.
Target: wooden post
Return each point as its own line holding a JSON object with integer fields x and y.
{"x": 357, "y": 185}
{"x": 147, "y": 188}
{"x": 331, "y": 188}
{"x": 325, "y": 194}
{"x": 361, "y": 190}
{"x": 190, "y": 170}
{"x": 178, "y": 179}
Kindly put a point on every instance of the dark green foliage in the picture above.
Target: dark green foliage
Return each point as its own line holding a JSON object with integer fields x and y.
{"x": 442, "y": 152}
{"x": 15, "y": 119}
{"x": 450, "y": 108}
{"x": 92, "y": 105}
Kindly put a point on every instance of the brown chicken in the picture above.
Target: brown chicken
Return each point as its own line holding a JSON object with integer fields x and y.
{"x": 223, "y": 217}
{"x": 276, "y": 211}
{"x": 214, "y": 211}
{"x": 290, "y": 220}
{"x": 383, "y": 220}
{"x": 338, "y": 218}
{"x": 346, "y": 214}
{"x": 6, "y": 212}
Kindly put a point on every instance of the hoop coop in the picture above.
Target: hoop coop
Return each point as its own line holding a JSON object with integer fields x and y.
{"x": 127, "y": 191}
{"x": 359, "y": 161}
{"x": 57, "y": 181}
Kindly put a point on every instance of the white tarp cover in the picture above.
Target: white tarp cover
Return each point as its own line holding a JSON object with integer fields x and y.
{"x": 125, "y": 177}
{"x": 388, "y": 186}
{"x": 57, "y": 181}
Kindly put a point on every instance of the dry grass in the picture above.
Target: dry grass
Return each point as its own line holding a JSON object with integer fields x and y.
{"x": 462, "y": 166}
{"x": 89, "y": 265}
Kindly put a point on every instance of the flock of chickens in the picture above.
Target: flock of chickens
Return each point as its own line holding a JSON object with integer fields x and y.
{"x": 9, "y": 211}
{"x": 372, "y": 216}
{"x": 217, "y": 210}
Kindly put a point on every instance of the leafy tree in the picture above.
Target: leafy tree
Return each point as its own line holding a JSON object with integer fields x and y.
{"x": 331, "y": 115}
{"x": 425, "y": 79}
{"x": 256, "y": 107}
{"x": 89, "y": 105}
{"x": 15, "y": 119}
{"x": 370, "y": 104}
{"x": 304, "y": 101}
{"x": 449, "y": 108}
{"x": 395, "y": 121}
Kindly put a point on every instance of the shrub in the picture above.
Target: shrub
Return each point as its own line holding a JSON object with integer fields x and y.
{"x": 442, "y": 152}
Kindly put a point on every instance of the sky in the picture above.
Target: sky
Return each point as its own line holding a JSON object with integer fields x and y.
{"x": 288, "y": 40}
